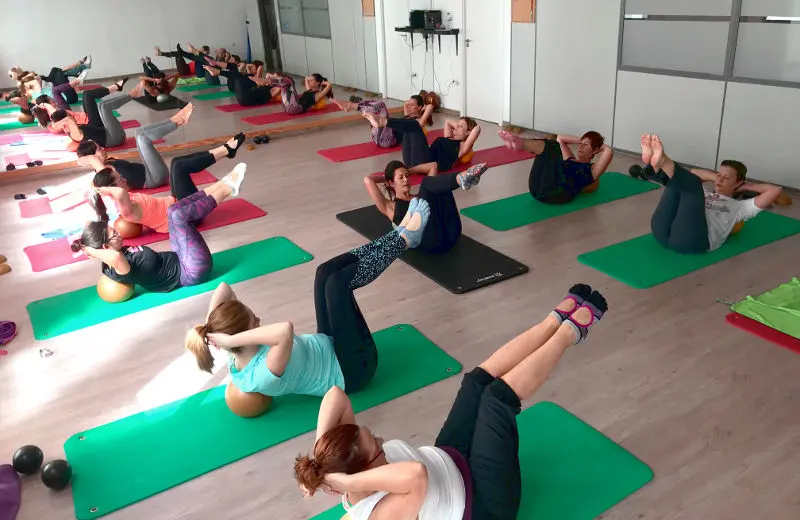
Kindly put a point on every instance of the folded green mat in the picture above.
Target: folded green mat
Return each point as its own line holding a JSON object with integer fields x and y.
{"x": 570, "y": 471}
{"x": 194, "y": 80}
{"x": 641, "y": 262}
{"x": 523, "y": 209}
{"x": 128, "y": 460}
{"x": 83, "y": 308}
{"x": 778, "y": 309}
{"x": 200, "y": 86}
{"x": 215, "y": 95}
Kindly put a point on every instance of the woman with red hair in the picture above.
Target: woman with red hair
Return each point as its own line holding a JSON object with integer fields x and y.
{"x": 557, "y": 175}
{"x": 472, "y": 470}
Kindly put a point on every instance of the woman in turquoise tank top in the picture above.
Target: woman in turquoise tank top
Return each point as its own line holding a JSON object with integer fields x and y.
{"x": 270, "y": 360}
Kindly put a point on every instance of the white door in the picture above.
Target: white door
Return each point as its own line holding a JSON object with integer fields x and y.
{"x": 484, "y": 52}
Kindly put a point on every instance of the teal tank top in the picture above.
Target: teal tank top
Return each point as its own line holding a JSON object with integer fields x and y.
{"x": 313, "y": 369}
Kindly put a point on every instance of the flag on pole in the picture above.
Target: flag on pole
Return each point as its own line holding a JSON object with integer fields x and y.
{"x": 249, "y": 50}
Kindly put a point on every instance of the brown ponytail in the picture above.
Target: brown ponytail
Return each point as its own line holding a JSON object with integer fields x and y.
{"x": 231, "y": 317}
{"x": 95, "y": 234}
{"x": 337, "y": 451}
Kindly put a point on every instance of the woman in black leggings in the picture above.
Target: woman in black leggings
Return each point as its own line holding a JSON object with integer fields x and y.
{"x": 155, "y": 82}
{"x": 473, "y": 469}
{"x": 690, "y": 219}
{"x": 271, "y": 360}
{"x": 103, "y": 127}
{"x": 444, "y": 228}
{"x": 180, "y": 63}
{"x": 424, "y": 159}
{"x": 245, "y": 81}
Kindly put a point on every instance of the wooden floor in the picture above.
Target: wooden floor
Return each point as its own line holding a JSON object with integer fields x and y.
{"x": 714, "y": 411}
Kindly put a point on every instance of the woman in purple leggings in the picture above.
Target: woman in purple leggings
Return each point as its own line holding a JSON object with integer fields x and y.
{"x": 385, "y": 137}
{"x": 317, "y": 88}
{"x": 189, "y": 262}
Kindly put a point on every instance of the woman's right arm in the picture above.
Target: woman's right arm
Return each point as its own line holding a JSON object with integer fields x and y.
{"x": 406, "y": 483}
{"x": 425, "y": 118}
{"x": 564, "y": 141}
{"x": 110, "y": 257}
{"x": 127, "y": 209}
{"x": 223, "y": 293}
{"x": 705, "y": 175}
{"x": 377, "y": 197}
{"x": 335, "y": 410}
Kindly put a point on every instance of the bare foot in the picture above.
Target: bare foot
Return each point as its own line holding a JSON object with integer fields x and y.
{"x": 373, "y": 120}
{"x": 344, "y": 106}
{"x": 158, "y": 50}
{"x": 512, "y": 142}
{"x": 137, "y": 90}
{"x": 647, "y": 148}
{"x": 657, "y": 161}
{"x": 183, "y": 115}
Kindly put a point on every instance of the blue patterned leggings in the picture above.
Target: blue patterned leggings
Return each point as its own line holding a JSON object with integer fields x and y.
{"x": 186, "y": 241}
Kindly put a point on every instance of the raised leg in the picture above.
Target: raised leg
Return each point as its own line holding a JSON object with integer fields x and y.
{"x": 186, "y": 241}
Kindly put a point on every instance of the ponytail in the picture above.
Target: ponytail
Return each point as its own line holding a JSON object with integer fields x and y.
{"x": 97, "y": 204}
{"x": 95, "y": 234}
{"x": 308, "y": 474}
{"x": 337, "y": 451}
{"x": 196, "y": 342}
{"x": 230, "y": 317}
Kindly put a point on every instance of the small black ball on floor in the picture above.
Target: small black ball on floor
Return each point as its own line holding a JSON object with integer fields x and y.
{"x": 10, "y": 167}
{"x": 56, "y": 474}
{"x": 261, "y": 139}
{"x": 27, "y": 460}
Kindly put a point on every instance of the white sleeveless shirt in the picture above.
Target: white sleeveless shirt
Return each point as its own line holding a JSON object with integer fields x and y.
{"x": 445, "y": 498}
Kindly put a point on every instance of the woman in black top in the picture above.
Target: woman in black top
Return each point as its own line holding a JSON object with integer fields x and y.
{"x": 317, "y": 88}
{"x": 442, "y": 154}
{"x": 103, "y": 128}
{"x": 444, "y": 225}
{"x": 189, "y": 262}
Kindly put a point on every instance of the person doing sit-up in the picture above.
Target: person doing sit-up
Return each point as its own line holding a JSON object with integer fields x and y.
{"x": 444, "y": 228}
{"x": 272, "y": 360}
{"x": 473, "y": 469}
{"x": 155, "y": 82}
{"x": 557, "y": 175}
{"x": 317, "y": 88}
{"x": 689, "y": 219}
{"x": 385, "y": 137}
{"x": 188, "y": 263}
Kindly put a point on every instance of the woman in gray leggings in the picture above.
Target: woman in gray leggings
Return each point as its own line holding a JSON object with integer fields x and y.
{"x": 153, "y": 172}
{"x": 102, "y": 128}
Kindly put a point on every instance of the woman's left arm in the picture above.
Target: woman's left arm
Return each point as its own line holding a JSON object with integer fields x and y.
{"x": 425, "y": 118}
{"x": 469, "y": 142}
{"x": 110, "y": 257}
{"x": 564, "y": 141}
{"x": 324, "y": 92}
{"x": 603, "y": 161}
{"x": 279, "y": 337}
{"x": 767, "y": 193}
{"x": 449, "y": 125}
{"x": 397, "y": 478}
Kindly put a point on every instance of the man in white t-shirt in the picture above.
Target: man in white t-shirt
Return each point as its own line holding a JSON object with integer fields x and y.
{"x": 690, "y": 219}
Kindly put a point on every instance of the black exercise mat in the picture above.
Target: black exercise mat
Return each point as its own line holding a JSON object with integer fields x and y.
{"x": 468, "y": 266}
{"x": 151, "y": 103}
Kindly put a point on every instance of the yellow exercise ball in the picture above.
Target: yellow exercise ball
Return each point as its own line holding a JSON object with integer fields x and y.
{"x": 467, "y": 157}
{"x": 127, "y": 229}
{"x": 425, "y": 130}
{"x": 113, "y": 291}
{"x": 737, "y": 227}
{"x": 592, "y": 187}
{"x": 246, "y": 404}
{"x": 25, "y": 119}
{"x": 319, "y": 105}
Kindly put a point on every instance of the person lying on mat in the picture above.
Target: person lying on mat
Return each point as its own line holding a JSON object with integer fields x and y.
{"x": 152, "y": 172}
{"x": 198, "y": 56}
{"x": 424, "y": 159}
{"x": 317, "y": 89}
{"x": 103, "y": 127}
{"x": 152, "y": 211}
{"x": 180, "y": 63}
{"x": 155, "y": 82}
{"x": 188, "y": 263}
{"x": 472, "y": 470}
{"x": 557, "y": 175}
{"x": 689, "y": 219}
{"x": 63, "y": 94}
{"x": 272, "y": 360}
{"x": 444, "y": 228}
{"x": 384, "y": 137}
{"x": 244, "y": 79}
{"x": 57, "y": 77}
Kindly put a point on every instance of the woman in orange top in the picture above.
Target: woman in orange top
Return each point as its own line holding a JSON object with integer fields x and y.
{"x": 152, "y": 211}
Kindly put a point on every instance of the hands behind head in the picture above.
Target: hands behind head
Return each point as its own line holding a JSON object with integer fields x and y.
{"x": 327, "y": 488}
{"x": 220, "y": 340}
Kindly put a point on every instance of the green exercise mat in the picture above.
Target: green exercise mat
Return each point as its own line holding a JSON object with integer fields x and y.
{"x": 126, "y": 461}
{"x": 215, "y": 95}
{"x": 201, "y": 86}
{"x": 641, "y": 262}
{"x": 778, "y": 309}
{"x": 570, "y": 471}
{"x": 83, "y": 308}
{"x": 523, "y": 209}
{"x": 193, "y": 80}
{"x": 13, "y": 124}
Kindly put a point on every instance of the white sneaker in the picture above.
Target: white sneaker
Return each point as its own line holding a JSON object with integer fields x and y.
{"x": 82, "y": 76}
{"x": 88, "y": 61}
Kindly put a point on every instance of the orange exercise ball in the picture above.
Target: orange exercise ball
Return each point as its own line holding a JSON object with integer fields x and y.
{"x": 246, "y": 404}
{"x": 319, "y": 105}
{"x": 127, "y": 229}
{"x": 737, "y": 227}
{"x": 467, "y": 157}
{"x": 592, "y": 187}
{"x": 25, "y": 119}
{"x": 113, "y": 291}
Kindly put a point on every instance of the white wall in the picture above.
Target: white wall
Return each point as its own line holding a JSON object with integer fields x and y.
{"x": 760, "y": 128}
{"x": 372, "y": 79}
{"x": 119, "y": 32}
{"x": 256, "y": 36}
{"x": 319, "y": 55}
{"x": 576, "y": 65}
{"x": 355, "y": 52}
{"x": 409, "y": 70}
{"x": 293, "y": 48}
{"x": 523, "y": 72}
{"x": 684, "y": 112}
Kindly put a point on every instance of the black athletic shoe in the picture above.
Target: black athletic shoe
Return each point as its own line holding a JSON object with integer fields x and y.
{"x": 356, "y": 99}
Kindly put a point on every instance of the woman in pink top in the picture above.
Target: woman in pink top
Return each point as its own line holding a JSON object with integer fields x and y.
{"x": 472, "y": 471}
{"x": 152, "y": 211}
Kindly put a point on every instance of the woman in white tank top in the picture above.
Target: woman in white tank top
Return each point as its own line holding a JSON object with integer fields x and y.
{"x": 472, "y": 471}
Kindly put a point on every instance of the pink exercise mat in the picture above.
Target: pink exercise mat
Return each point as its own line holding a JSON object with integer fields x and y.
{"x": 496, "y": 156}
{"x": 280, "y": 117}
{"x": 30, "y": 208}
{"x": 370, "y": 149}
{"x": 49, "y": 255}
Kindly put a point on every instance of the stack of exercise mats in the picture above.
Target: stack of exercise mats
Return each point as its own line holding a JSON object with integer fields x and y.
{"x": 773, "y": 315}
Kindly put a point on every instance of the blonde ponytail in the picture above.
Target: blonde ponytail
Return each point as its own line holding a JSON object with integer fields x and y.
{"x": 196, "y": 342}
